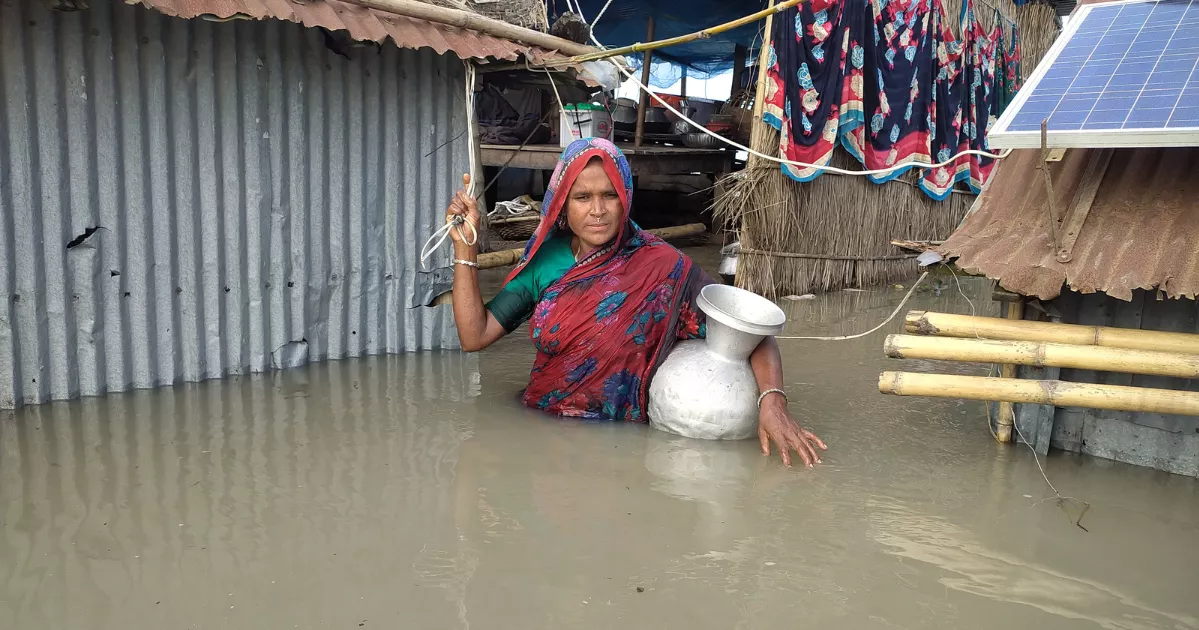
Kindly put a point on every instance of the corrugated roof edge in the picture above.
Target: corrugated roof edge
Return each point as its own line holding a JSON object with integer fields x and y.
{"x": 1141, "y": 231}
{"x": 361, "y": 23}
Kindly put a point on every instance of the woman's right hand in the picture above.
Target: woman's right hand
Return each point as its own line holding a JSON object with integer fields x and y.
{"x": 465, "y": 206}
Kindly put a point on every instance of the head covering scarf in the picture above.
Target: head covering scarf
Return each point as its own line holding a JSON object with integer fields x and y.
{"x": 603, "y": 328}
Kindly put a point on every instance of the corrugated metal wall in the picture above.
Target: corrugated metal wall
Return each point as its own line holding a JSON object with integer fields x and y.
{"x": 262, "y": 199}
{"x": 1160, "y": 441}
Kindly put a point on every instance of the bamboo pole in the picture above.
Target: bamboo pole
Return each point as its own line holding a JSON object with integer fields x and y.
{"x": 1043, "y": 354}
{"x": 767, "y": 13}
{"x": 643, "y": 101}
{"x": 1057, "y": 393}
{"x": 760, "y": 91}
{"x": 947, "y": 325}
{"x": 739, "y": 55}
{"x": 508, "y": 257}
{"x": 1006, "y": 417}
{"x": 502, "y": 258}
{"x": 475, "y": 22}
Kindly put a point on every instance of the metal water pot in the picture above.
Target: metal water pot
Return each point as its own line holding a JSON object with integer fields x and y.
{"x": 706, "y": 388}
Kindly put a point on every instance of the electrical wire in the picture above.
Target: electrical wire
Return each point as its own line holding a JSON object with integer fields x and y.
{"x": 876, "y": 328}
{"x": 803, "y": 165}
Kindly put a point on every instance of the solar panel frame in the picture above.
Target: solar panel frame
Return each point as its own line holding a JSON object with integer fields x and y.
{"x": 1086, "y": 113}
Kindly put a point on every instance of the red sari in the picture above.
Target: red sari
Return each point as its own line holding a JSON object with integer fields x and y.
{"x": 604, "y": 327}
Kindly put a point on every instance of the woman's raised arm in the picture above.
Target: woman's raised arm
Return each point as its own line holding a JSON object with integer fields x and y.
{"x": 477, "y": 328}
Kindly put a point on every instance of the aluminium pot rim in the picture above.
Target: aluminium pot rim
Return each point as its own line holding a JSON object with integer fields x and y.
{"x": 772, "y": 323}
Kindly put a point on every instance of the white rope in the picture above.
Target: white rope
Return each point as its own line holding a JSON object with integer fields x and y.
{"x": 443, "y": 233}
{"x": 600, "y": 14}
{"x": 515, "y": 207}
{"x": 803, "y": 165}
{"x": 439, "y": 236}
{"x": 470, "y": 128}
{"x": 553, "y": 84}
{"x": 876, "y": 328}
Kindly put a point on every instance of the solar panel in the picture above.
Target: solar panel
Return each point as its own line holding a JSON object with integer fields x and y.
{"x": 1122, "y": 74}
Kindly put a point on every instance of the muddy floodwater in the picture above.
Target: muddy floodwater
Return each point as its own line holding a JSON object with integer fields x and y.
{"x": 415, "y": 492}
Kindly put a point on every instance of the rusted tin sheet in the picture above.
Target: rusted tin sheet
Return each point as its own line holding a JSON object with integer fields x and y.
{"x": 361, "y": 23}
{"x": 1142, "y": 230}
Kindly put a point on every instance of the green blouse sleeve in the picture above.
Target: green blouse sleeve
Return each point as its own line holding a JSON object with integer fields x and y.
{"x": 514, "y": 304}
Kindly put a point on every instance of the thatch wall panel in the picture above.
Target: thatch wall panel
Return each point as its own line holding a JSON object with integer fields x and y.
{"x": 846, "y": 218}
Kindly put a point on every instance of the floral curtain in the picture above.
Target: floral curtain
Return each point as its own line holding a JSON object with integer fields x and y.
{"x": 889, "y": 82}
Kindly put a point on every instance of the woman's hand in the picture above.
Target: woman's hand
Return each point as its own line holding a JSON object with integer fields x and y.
{"x": 465, "y": 206}
{"x": 776, "y": 424}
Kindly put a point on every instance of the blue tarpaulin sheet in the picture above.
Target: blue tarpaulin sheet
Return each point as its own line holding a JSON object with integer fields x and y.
{"x": 624, "y": 23}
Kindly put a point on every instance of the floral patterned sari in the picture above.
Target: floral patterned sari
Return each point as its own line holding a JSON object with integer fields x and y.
{"x": 604, "y": 327}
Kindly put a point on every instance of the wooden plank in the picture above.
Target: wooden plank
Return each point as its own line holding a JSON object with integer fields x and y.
{"x": 643, "y": 103}
{"x": 679, "y": 165}
{"x": 659, "y": 163}
{"x": 523, "y": 159}
{"x": 739, "y": 55}
{"x": 1167, "y": 315}
{"x": 1000, "y": 294}
{"x": 1080, "y": 207}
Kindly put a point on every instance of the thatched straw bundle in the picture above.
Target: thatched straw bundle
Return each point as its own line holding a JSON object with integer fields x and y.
{"x": 1038, "y": 30}
{"x": 526, "y": 13}
{"x": 835, "y": 231}
{"x": 831, "y": 233}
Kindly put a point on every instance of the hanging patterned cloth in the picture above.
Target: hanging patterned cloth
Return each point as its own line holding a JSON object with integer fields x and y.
{"x": 806, "y": 80}
{"x": 965, "y": 107}
{"x": 1008, "y": 78}
{"x": 887, "y": 80}
{"x": 897, "y": 79}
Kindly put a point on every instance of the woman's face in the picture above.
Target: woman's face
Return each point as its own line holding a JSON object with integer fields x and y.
{"x": 593, "y": 208}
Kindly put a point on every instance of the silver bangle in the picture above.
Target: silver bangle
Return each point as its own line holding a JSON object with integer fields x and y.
{"x": 772, "y": 391}
{"x": 468, "y": 263}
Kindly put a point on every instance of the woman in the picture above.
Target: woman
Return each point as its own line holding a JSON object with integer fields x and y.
{"x": 607, "y": 300}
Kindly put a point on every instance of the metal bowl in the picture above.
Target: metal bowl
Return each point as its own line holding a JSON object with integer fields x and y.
{"x": 681, "y": 127}
{"x": 700, "y": 141}
{"x": 624, "y": 112}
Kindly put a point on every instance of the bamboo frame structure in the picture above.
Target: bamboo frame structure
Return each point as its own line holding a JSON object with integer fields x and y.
{"x": 1005, "y": 419}
{"x": 643, "y": 101}
{"x": 948, "y": 325}
{"x": 760, "y": 88}
{"x": 1057, "y": 393}
{"x": 1043, "y": 354}
{"x": 475, "y": 22}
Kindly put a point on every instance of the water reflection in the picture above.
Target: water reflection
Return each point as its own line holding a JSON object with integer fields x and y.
{"x": 717, "y": 475}
{"x": 415, "y": 491}
{"x": 973, "y": 567}
{"x": 146, "y": 492}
